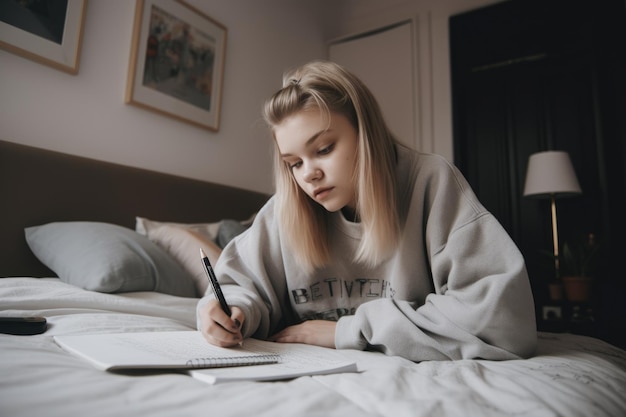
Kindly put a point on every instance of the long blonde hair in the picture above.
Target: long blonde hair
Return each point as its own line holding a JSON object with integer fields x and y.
{"x": 331, "y": 88}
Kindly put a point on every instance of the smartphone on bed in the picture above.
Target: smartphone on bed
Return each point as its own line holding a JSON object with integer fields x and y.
{"x": 23, "y": 325}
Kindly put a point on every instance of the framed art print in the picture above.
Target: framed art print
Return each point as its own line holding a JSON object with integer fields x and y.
{"x": 46, "y": 32}
{"x": 177, "y": 62}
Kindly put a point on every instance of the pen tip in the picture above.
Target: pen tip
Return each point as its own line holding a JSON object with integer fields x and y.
{"x": 202, "y": 254}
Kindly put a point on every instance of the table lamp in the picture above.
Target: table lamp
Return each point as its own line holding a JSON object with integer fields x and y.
{"x": 550, "y": 175}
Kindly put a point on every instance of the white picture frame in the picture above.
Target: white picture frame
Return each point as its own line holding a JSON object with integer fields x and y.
{"x": 50, "y": 37}
{"x": 177, "y": 62}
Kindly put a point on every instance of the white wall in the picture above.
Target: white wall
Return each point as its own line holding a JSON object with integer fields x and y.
{"x": 85, "y": 114}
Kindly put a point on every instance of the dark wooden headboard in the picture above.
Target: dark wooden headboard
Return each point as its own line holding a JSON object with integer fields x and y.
{"x": 38, "y": 186}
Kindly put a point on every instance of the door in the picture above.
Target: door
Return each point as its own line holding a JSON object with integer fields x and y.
{"x": 383, "y": 60}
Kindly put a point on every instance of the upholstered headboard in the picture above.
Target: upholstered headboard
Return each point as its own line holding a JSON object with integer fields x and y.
{"x": 39, "y": 186}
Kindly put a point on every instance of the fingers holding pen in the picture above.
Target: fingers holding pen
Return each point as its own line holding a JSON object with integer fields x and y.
{"x": 218, "y": 328}
{"x": 219, "y": 324}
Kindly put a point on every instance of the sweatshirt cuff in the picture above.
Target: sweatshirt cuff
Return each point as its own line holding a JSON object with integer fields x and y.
{"x": 348, "y": 334}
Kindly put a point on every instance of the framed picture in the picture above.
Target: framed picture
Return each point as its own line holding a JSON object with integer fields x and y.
{"x": 177, "y": 62}
{"x": 46, "y": 32}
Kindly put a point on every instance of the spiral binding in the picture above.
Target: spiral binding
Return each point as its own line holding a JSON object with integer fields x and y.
{"x": 222, "y": 362}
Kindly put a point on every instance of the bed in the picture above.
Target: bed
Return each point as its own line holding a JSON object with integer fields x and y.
{"x": 569, "y": 375}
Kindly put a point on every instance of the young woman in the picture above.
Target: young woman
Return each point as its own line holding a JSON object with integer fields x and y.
{"x": 367, "y": 244}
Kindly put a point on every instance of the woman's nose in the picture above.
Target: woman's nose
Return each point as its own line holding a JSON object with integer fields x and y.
{"x": 313, "y": 174}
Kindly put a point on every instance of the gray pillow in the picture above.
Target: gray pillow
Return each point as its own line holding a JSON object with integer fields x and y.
{"x": 107, "y": 258}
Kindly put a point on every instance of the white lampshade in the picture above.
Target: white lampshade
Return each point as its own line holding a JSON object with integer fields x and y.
{"x": 550, "y": 173}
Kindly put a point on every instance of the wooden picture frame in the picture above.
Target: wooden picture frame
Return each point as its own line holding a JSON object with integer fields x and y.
{"x": 177, "y": 62}
{"x": 50, "y": 35}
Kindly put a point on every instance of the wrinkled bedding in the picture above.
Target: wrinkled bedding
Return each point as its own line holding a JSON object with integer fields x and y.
{"x": 569, "y": 375}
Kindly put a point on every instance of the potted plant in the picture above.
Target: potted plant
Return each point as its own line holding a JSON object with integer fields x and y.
{"x": 579, "y": 262}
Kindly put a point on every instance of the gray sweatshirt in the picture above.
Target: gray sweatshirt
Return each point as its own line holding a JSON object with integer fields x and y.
{"x": 455, "y": 288}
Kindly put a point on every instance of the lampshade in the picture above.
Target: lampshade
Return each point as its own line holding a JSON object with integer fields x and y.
{"x": 550, "y": 173}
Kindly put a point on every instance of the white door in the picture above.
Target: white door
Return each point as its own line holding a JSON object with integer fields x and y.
{"x": 384, "y": 61}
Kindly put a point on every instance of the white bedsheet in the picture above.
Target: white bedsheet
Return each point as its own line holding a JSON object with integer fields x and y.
{"x": 569, "y": 376}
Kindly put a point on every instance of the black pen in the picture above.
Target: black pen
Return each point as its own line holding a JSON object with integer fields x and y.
{"x": 217, "y": 290}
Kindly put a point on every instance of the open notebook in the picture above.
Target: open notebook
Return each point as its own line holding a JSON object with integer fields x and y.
{"x": 256, "y": 360}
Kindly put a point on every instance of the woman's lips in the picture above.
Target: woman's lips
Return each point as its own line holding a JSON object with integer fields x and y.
{"x": 322, "y": 193}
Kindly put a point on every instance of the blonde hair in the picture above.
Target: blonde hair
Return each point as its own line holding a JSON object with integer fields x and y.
{"x": 330, "y": 88}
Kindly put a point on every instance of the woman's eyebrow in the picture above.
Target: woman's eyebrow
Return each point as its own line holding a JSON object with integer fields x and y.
{"x": 309, "y": 140}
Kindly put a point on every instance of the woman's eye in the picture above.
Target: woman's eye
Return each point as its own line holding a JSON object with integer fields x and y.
{"x": 295, "y": 165}
{"x": 325, "y": 150}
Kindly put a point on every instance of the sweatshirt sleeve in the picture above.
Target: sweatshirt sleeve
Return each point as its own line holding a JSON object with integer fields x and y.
{"x": 483, "y": 310}
{"x": 252, "y": 278}
{"x": 482, "y": 304}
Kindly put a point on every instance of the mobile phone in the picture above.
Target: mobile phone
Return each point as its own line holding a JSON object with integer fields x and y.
{"x": 23, "y": 325}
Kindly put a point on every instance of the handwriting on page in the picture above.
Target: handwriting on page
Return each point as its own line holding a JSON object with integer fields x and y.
{"x": 188, "y": 345}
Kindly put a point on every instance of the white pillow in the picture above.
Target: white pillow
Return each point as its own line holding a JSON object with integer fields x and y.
{"x": 219, "y": 232}
{"x": 144, "y": 226}
{"x": 183, "y": 244}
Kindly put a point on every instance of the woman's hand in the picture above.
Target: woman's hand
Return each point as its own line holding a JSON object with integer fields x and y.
{"x": 219, "y": 329}
{"x": 312, "y": 332}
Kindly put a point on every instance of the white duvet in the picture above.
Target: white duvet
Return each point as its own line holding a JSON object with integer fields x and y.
{"x": 569, "y": 376}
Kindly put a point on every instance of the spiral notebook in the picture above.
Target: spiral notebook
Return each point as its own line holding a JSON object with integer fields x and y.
{"x": 160, "y": 350}
{"x": 256, "y": 360}
{"x": 295, "y": 360}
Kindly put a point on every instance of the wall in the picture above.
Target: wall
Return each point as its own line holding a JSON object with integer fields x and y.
{"x": 85, "y": 114}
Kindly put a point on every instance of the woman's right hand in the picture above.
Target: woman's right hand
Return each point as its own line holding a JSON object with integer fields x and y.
{"x": 219, "y": 329}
